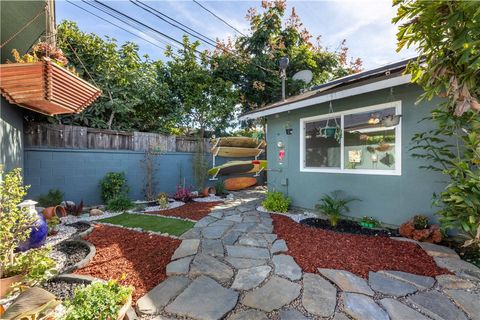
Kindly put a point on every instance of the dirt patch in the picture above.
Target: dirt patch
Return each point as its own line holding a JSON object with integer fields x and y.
{"x": 140, "y": 256}
{"x": 315, "y": 248}
{"x": 191, "y": 210}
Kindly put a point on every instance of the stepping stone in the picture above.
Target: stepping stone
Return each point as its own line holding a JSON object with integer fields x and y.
{"x": 449, "y": 281}
{"x": 222, "y": 223}
{"x": 389, "y": 286}
{"x": 234, "y": 218}
{"x": 270, "y": 237}
{"x": 253, "y": 241}
{"x": 204, "y": 299}
{"x": 249, "y": 314}
{"x": 213, "y": 247}
{"x": 287, "y": 267}
{"x": 398, "y": 311}
{"x": 157, "y": 298}
{"x": 214, "y": 232}
{"x": 229, "y": 213}
{"x": 291, "y": 314}
{"x": 341, "y": 316}
{"x": 243, "y": 209}
{"x": 262, "y": 229}
{"x": 361, "y": 307}
{"x": 436, "y": 250}
{"x": 231, "y": 237}
{"x": 243, "y": 263}
{"x": 205, "y": 221}
{"x": 436, "y": 306}
{"x": 244, "y": 226}
{"x": 248, "y": 252}
{"x": 279, "y": 246}
{"x": 273, "y": 295}
{"x": 421, "y": 282}
{"x": 217, "y": 214}
{"x": 468, "y": 301}
{"x": 187, "y": 248}
{"x": 250, "y": 278}
{"x": 460, "y": 267}
{"x": 193, "y": 233}
{"x": 179, "y": 267}
{"x": 347, "y": 281}
{"x": 207, "y": 265}
{"x": 319, "y": 296}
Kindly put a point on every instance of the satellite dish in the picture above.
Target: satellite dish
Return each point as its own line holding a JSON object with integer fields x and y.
{"x": 304, "y": 75}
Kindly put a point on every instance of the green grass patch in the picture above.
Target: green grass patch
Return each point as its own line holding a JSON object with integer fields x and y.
{"x": 171, "y": 226}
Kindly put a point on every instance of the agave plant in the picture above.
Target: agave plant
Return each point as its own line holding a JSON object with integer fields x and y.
{"x": 333, "y": 205}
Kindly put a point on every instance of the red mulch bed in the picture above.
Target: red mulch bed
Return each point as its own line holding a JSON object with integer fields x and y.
{"x": 191, "y": 210}
{"x": 140, "y": 256}
{"x": 315, "y": 248}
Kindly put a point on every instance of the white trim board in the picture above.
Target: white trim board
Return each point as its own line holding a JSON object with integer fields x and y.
{"x": 375, "y": 86}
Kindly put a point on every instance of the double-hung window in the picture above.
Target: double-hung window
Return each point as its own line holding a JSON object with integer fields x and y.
{"x": 360, "y": 141}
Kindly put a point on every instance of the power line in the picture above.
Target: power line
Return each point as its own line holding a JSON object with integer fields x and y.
{"x": 219, "y": 18}
{"x": 175, "y": 23}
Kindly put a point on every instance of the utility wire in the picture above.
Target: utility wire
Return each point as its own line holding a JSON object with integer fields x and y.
{"x": 219, "y": 18}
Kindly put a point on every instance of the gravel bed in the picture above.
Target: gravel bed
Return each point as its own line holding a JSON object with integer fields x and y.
{"x": 210, "y": 198}
{"x": 73, "y": 252}
{"x": 64, "y": 232}
{"x": 61, "y": 288}
{"x": 85, "y": 217}
{"x": 171, "y": 205}
{"x": 81, "y": 226}
{"x": 295, "y": 215}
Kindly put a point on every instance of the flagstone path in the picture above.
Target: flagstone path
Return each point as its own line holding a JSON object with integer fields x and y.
{"x": 232, "y": 266}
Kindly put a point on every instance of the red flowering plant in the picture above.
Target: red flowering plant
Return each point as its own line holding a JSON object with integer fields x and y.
{"x": 183, "y": 194}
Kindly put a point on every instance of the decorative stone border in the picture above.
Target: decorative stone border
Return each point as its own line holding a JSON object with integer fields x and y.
{"x": 85, "y": 233}
{"x": 160, "y": 215}
{"x": 85, "y": 260}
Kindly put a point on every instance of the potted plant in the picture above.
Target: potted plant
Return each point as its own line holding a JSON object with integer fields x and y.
{"x": 419, "y": 228}
{"x": 369, "y": 222}
{"x": 333, "y": 205}
{"x": 16, "y": 225}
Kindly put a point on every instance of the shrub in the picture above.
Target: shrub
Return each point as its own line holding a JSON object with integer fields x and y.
{"x": 51, "y": 199}
{"x": 119, "y": 203}
{"x": 112, "y": 185}
{"x": 75, "y": 209}
{"x": 99, "y": 300}
{"x": 333, "y": 206}
{"x": 420, "y": 222}
{"x": 219, "y": 188}
{"x": 52, "y": 223}
{"x": 183, "y": 194}
{"x": 275, "y": 201}
{"x": 370, "y": 221}
{"x": 162, "y": 200}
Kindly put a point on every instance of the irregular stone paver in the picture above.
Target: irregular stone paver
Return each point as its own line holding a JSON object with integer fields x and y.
{"x": 468, "y": 301}
{"x": 421, "y": 282}
{"x": 243, "y": 263}
{"x": 234, "y": 218}
{"x": 347, "y": 281}
{"x": 279, "y": 246}
{"x": 204, "y": 299}
{"x": 448, "y": 281}
{"x": 250, "y": 278}
{"x": 389, "y": 286}
{"x": 193, "y": 233}
{"x": 222, "y": 223}
{"x": 188, "y": 247}
{"x": 436, "y": 250}
{"x": 270, "y": 237}
{"x": 459, "y": 267}
{"x": 249, "y": 314}
{"x": 361, "y": 307}
{"x": 254, "y": 240}
{"x": 231, "y": 237}
{"x": 205, "y": 221}
{"x": 276, "y": 293}
{"x": 179, "y": 267}
{"x": 214, "y": 232}
{"x": 341, "y": 316}
{"x": 217, "y": 214}
{"x": 398, "y": 311}
{"x": 213, "y": 247}
{"x": 207, "y": 265}
{"x": 248, "y": 252}
{"x": 157, "y": 298}
{"x": 436, "y": 306}
{"x": 244, "y": 226}
{"x": 319, "y": 296}
{"x": 287, "y": 267}
{"x": 291, "y": 314}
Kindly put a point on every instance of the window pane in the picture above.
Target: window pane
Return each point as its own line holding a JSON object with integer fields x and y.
{"x": 322, "y": 150}
{"x": 368, "y": 143}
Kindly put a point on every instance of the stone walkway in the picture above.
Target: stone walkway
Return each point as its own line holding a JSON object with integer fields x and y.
{"x": 232, "y": 266}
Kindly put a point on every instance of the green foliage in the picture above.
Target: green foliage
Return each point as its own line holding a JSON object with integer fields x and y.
{"x": 98, "y": 300}
{"x": 420, "y": 222}
{"x": 219, "y": 188}
{"x": 334, "y": 205}
{"x": 52, "y": 223}
{"x": 275, "y": 201}
{"x": 162, "y": 200}
{"x": 15, "y": 228}
{"x": 113, "y": 185}
{"x": 369, "y": 221}
{"x": 119, "y": 203}
{"x": 446, "y": 34}
{"x": 51, "y": 199}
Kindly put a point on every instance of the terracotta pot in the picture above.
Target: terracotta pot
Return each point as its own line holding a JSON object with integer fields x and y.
{"x": 5, "y": 284}
{"x": 123, "y": 311}
{"x": 208, "y": 191}
{"x": 50, "y": 212}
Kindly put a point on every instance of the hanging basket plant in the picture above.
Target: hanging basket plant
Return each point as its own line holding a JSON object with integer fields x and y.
{"x": 40, "y": 81}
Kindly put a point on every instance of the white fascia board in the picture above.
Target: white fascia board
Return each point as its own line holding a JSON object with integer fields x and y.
{"x": 388, "y": 83}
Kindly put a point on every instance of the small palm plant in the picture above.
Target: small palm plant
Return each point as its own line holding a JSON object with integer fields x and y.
{"x": 333, "y": 206}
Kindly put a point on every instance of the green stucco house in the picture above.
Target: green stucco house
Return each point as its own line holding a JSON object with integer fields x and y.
{"x": 353, "y": 134}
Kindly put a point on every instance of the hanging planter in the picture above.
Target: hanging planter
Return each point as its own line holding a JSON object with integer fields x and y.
{"x": 46, "y": 87}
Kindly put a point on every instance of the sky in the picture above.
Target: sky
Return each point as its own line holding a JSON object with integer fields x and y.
{"x": 365, "y": 24}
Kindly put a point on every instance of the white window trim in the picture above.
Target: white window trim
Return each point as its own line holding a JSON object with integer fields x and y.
{"x": 398, "y": 142}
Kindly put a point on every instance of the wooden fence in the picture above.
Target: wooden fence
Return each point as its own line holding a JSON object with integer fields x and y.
{"x": 76, "y": 137}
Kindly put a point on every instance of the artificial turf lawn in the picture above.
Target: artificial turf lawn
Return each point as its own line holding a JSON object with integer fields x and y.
{"x": 171, "y": 226}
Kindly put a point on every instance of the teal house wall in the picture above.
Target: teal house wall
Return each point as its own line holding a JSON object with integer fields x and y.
{"x": 11, "y": 136}
{"x": 389, "y": 198}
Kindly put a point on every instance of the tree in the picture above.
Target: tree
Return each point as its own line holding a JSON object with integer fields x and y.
{"x": 447, "y": 35}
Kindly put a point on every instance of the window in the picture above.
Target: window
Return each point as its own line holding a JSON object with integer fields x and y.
{"x": 365, "y": 141}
